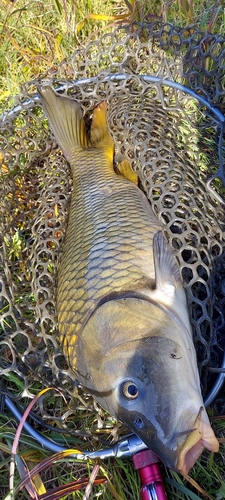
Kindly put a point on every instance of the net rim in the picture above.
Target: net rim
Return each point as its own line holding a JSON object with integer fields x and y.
{"x": 117, "y": 77}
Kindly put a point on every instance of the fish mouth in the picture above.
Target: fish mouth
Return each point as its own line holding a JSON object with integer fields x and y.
{"x": 200, "y": 437}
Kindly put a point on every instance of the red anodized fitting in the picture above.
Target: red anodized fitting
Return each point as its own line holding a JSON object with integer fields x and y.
{"x": 152, "y": 485}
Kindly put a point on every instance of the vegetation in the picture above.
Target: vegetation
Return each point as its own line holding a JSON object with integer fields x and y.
{"x": 35, "y": 36}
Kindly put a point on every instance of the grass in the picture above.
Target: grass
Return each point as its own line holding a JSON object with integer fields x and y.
{"x": 123, "y": 482}
{"x": 36, "y": 36}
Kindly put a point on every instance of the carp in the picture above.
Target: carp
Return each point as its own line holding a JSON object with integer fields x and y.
{"x": 122, "y": 312}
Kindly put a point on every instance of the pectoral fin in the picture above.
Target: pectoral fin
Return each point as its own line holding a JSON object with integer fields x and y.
{"x": 168, "y": 286}
{"x": 166, "y": 269}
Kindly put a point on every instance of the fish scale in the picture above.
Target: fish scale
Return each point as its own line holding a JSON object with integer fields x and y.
{"x": 108, "y": 244}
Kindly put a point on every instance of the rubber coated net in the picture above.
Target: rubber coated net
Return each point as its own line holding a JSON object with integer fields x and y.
{"x": 173, "y": 141}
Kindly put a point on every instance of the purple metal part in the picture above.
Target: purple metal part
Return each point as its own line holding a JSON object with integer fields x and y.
{"x": 148, "y": 466}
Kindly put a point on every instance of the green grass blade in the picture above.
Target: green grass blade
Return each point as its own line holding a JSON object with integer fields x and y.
{"x": 183, "y": 489}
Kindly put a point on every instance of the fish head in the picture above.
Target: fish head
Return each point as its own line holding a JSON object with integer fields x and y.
{"x": 142, "y": 369}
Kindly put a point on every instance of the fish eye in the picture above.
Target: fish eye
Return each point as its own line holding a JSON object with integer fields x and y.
{"x": 130, "y": 390}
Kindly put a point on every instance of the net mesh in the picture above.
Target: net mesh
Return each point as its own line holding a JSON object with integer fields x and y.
{"x": 174, "y": 143}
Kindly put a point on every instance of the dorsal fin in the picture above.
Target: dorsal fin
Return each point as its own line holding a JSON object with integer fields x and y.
{"x": 100, "y": 137}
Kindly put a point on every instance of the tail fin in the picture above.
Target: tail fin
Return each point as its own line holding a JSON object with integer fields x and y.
{"x": 100, "y": 137}
{"x": 66, "y": 121}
